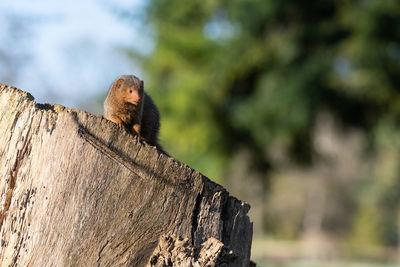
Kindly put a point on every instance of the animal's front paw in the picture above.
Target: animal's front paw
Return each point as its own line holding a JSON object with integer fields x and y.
{"x": 120, "y": 125}
{"x": 136, "y": 129}
{"x": 118, "y": 122}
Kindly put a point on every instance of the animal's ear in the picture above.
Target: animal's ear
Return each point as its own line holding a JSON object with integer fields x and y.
{"x": 118, "y": 82}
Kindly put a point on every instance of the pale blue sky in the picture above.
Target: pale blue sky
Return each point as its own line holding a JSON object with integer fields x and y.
{"x": 68, "y": 52}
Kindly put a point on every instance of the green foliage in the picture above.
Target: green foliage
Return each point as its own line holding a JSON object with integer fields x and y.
{"x": 366, "y": 234}
{"x": 234, "y": 74}
{"x": 255, "y": 72}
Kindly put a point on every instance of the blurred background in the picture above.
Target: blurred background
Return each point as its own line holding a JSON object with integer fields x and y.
{"x": 293, "y": 106}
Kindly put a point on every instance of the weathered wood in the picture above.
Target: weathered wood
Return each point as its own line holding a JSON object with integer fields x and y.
{"x": 76, "y": 190}
{"x": 182, "y": 253}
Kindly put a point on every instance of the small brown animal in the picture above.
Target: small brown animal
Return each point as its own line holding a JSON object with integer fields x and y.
{"x": 128, "y": 105}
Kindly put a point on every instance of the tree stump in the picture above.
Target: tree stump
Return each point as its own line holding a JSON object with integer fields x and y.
{"x": 78, "y": 191}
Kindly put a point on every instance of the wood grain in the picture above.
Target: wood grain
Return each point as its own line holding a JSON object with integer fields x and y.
{"x": 78, "y": 191}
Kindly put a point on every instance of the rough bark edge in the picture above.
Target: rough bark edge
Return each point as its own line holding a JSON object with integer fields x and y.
{"x": 173, "y": 251}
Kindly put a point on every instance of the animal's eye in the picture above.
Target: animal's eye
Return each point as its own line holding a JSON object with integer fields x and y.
{"x": 130, "y": 91}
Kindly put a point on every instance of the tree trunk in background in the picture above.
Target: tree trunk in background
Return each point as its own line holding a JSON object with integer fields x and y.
{"x": 76, "y": 190}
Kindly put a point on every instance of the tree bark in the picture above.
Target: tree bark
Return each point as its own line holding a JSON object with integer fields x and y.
{"x": 78, "y": 191}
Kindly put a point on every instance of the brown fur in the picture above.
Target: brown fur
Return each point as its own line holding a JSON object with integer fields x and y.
{"x": 133, "y": 109}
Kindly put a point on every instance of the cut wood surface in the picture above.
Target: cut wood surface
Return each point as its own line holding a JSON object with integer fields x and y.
{"x": 76, "y": 190}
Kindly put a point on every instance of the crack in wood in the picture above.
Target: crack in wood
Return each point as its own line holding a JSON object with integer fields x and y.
{"x": 99, "y": 145}
{"x": 13, "y": 124}
{"x": 25, "y": 203}
{"x": 195, "y": 216}
{"x": 101, "y": 251}
{"x": 124, "y": 160}
{"x": 21, "y": 153}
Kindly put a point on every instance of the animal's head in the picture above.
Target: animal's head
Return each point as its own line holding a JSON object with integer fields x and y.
{"x": 129, "y": 89}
